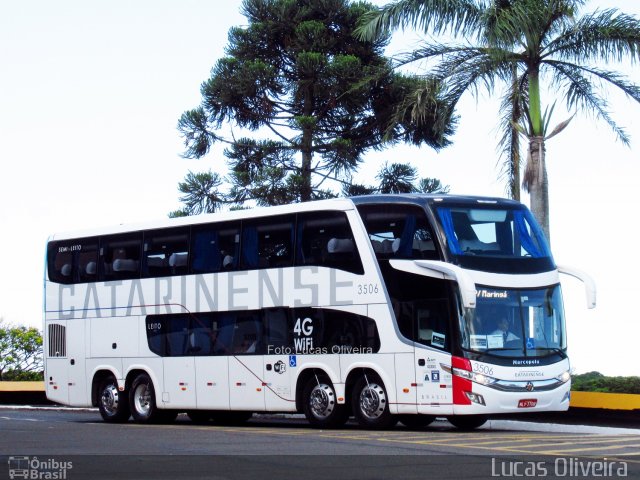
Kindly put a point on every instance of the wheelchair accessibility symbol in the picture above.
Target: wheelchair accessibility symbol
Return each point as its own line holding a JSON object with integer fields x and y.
{"x": 292, "y": 361}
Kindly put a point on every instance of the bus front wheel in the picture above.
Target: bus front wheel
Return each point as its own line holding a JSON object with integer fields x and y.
{"x": 112, "y": 403}
{"x": 142, "y": 401}
{"x": 370, "y": 403}
{"x": 320, "y": 404}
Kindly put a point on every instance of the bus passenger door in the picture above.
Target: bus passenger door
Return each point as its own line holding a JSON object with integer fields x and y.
{"x": 278, "y": 392}
{"x": 434, "y": 391}
{"x": 277, "y": 363}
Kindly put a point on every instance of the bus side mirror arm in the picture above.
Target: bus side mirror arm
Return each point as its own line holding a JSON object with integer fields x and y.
{"x": 453, "y": 272}
{"x": 589, "y": 284}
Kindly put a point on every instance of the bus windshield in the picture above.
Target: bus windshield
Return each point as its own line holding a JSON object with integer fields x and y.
{"x": 494, "y": 238}
{"x": 515, "y": 322}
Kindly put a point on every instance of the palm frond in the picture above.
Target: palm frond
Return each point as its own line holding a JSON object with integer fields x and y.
{"x": 608, "y": 76}
{"x": 512, "y": 108}
{"x": 432, "y": 16}
{"x": 606, "y": 35}
{"x": 434, "y": 50}
{"x": 472, "y": 69}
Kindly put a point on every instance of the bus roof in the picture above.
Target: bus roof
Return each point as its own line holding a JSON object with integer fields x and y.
{"x": 341, "y": 204}
{"x": 434, "y": 198}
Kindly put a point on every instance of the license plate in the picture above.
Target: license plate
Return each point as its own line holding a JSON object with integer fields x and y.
{"x": 527, "y": 403}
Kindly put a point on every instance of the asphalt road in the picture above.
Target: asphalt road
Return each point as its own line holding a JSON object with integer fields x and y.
{"x": 272, "y": 447}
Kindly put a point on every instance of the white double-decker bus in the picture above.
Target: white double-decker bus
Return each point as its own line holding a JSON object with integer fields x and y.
{"x": 387, "y": 308}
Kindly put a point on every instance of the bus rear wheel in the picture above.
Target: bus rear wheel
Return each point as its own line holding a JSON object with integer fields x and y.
{"x": 112, "y": 403}
{"x": 370, "y": 403}
{"x": 142, "y": 401}
{"x": 467, "y": 422}
{"x": 320, "y": 404}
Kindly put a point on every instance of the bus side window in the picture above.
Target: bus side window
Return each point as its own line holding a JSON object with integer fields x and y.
{"x": 276, "y": 322}
{"x": 267, "y": 243}
{"x": 177, "y": 335}
{"x": 215, "y": 247}
{"x": 247, "y": 335}
{"x": 72, "y": 261}
{"x": 121, "y": 257}
{"x": 326, "y": 239}
{"x": 166, "y": 252}
{"x": 60, "y": 263}
{"x": 88, "y": 262}
{"x": 399, "y": 231}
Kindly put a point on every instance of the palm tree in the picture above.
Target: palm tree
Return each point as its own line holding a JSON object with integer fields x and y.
{"x": 521, "y": 45}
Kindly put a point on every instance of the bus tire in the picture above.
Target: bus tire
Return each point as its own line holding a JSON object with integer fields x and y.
{"x": 142, "y": 401}
{"x": 467, "y": 422}
{"x": 370, "y": 403}
{"x": 112, "y": 403}
{"x": 416, "y": 421}
{"x": 320, "y": 404}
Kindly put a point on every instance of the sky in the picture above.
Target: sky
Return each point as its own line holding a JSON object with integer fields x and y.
{"x": 90, "y": 96}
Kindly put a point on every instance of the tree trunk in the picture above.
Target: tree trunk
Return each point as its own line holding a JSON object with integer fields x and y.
{"x": 307, "y": 155}
{"x": 307, "y": 149}
{"x": 537, "y": 183}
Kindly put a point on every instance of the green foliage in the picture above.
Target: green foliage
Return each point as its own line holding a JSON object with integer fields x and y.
{"x": 397, "y": 178}
{"x": 200, "y": 194}
{"x": 22, "y": 376}
{"x": 20, "y": 352}
{"x": 596, "y": 382}
{"x": 297, "y": 73}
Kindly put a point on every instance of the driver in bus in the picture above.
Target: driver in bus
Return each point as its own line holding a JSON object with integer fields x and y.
{"x": 503, "y": 329}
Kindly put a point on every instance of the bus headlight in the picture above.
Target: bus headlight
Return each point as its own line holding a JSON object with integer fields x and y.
{"x": 474, "y": 377}
{"x": 564, "y": 377}
{"x": 482, "y": 379}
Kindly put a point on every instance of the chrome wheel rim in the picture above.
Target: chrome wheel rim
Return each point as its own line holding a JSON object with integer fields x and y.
{"x": 322, "y": 401}
{"x": 142, "y": 400}
{"x": 110, "y": 399}
{"x": 373, "y": 401}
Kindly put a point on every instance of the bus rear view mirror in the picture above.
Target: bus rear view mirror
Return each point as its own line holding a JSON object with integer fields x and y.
{"x": 589, "y": 284}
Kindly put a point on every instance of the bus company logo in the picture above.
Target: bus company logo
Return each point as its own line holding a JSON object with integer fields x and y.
{"x": 36, "y": 469}
{"x": 529, "y": 374}
{"x": 529, "y": 387}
